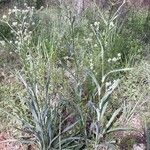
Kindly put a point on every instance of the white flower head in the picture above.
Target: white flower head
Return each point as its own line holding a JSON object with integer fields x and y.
{"x": 112, "y": 24}
{"x": 4, "y": 16}
{"x": 20, "y": 25}
{"x": 14, "y": 23}
{"x": 91, "y": 67}
{"x": 108, "y": 84}
{"x": 25, "y": 31}
{"x": 109, "y": 60}
{"x": 20, "y": 32}
{"x": 116, "y": 81}
{"x": 119, "y": 54}
{"x": 24, "y": 17}
{"x": 12, "y": 31}
{"x": 91, "y": 25}
{"x": 88, "y": 40}
{"x": 16, "y": 42}
{"x": 33, "y": 23}
{"x": 26, "y": 24}
{"x": 114, "y": 59}
{"x": 14, "y": 10}
{"x": 25, "y": 38}
{"x": 28, "y": 8}
{"x": 42, "y": 7}
{"x": 25, "y": 4}
{"x": 19, "y": 43}
{"x": 91, "y": 60}
{"x": 9, "y": 12}
{"x": 106, "y": 43}
{"x": 2, "y": 43}
{"x": 30, "y": 32}
{"x": 25, "y": 11}
{"x": 18, "y": 10}
{"x": 91, "y": 34}
{"x": 95, "y": 45}
{"x": 96, "y": 23}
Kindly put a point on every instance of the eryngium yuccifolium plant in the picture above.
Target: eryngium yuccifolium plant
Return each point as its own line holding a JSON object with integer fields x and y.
{"x": 48, "y": 127}
{"x": 99, "y": 105}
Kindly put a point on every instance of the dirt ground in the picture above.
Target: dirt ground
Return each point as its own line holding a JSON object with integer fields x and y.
{"x": 9, "y": 143}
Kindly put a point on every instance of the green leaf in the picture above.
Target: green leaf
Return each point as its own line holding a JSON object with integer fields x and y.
{"x": 112, "y": 119}
{"x": 95, "y": 81}
{"x": 114, "y": 71}
{"x": 104, "y": 101}
{"x": 70, "y": 127}
{"x": 119, "y": 129}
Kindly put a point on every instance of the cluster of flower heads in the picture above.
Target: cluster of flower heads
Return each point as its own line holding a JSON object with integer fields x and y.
{"x": 109, "y": 85}
{"x": 89, "y": 39}
{"x": 16, "y": 10}
{"x": 114, "y": 59}
{"x": 95, "y": 25}
{"x": 21, "y": 23}
{"x": 91, "y": 63}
